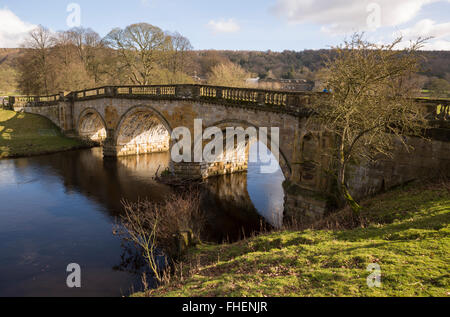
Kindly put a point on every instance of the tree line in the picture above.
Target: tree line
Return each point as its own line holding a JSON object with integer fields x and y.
{"x": 143, "y": 54}
{"x": 140, "y": 54}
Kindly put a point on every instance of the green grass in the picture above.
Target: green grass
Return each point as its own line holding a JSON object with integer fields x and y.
{"x": 406, "y": 232}
{"x": 23, "y": 134}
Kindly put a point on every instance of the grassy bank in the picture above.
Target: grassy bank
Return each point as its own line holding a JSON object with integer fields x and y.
{"x": 405, "y": 231}
{"x": 23, "y": 134}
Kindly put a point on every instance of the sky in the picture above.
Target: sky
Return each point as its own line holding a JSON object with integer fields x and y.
{"x": 261, "y": 25}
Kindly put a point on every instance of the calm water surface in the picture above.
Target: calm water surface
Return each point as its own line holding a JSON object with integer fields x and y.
{"x": 60, "y": 209}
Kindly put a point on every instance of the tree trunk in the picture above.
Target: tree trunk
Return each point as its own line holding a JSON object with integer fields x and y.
{"x": 343, "y": 190}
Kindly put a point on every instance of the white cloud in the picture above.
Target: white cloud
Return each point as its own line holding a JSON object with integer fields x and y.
{"x": 12, "y": 29}
{"x": 224, "y": 26}
{"x": 440, "y": 33}
{"x": 341, "y": 16}
{"x": 439, "y": 45}
{"x": 434, "y": 45}
{"x": 427, "y": 28}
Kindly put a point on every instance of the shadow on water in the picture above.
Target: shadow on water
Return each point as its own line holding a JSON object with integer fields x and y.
{"x": 59, "y": 209}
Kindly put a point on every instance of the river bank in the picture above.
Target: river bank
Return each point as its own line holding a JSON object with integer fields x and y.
{"x": 24, "y": 134}
{"x": 404, "y": 233}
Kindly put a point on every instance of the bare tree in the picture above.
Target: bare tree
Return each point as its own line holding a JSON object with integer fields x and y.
{"x": 228, "y": 74}
{"x": 139, "y": 46}
{"x": 39, "y": 43}
{"x": 370, "y": 106}
{"x": 70, "y": 71}
{"x": 162, "y": 226}
{"x": 91, "y": 51}
{"x": 180, "y": 48}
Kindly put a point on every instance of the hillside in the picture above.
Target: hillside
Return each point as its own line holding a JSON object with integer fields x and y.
{"x": 405, "y": 231}
{"x": 290, "y": 63}
{"x": 8, "y": 55}
{"x": 8, "y": 84}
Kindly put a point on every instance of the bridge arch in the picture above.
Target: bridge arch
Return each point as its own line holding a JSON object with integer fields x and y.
{"x": 142, "y": 129}
{"x": 238, "y": 160}
{"x": 91, "y": 125}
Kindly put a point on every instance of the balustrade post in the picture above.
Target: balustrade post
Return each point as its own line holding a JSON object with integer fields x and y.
{"x": 183, "y": 91}
{"x": 179, "y": 91}
{"x": 109, "y": 91}
{"x": 431, "y": 111}
{"x": 261, "y": 98}
{"x": 219, "y": 93}
{"x": 291, "y": 101}
{"x": 195, "y": 92}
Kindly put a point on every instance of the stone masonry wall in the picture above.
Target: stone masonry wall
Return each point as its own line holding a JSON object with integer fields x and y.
{"x": 60, "y": 114}
{"x": 177, "y": 113}
{"x": 429, "y": 159}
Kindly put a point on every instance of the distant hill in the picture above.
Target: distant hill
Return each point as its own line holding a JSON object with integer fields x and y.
{"x": 291, "y": 64}
{"x": 287, "y": 64}
{"x": 8, "y": 55}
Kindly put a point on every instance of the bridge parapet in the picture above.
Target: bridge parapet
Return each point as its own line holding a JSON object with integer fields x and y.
{"x": 297, "y": 103}
{"x": 34, "y": 101}
{"x": 437, "y": 109}
{"x": 280, "y": 101}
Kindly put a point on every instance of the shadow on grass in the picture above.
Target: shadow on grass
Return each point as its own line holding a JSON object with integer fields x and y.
{"x": 394, "y": 231}
{"x": 24, "y": 135}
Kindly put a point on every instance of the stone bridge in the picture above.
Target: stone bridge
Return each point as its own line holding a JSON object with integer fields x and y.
{"x": 132, "y": 120}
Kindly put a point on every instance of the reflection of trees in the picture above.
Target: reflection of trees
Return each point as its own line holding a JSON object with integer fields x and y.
{"x": 131, "y": 260}
{"x": 107, "y": 182}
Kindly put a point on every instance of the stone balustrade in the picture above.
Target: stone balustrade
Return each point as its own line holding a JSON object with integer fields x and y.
{"x": 34, "y": 100}
{"x": 438, "y": 110}
{"x": 299, "y": 103}
{"x": 292, "y": 102}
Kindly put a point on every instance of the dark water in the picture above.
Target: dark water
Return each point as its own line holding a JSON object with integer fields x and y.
{"x": 60, "y": 209}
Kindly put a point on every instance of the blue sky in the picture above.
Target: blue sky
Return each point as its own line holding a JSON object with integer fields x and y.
{"x": 242, "y": 24}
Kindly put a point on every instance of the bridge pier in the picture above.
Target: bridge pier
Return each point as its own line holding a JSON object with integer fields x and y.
{"x": 190, "y": 170}
{"x": 303, "y": 204}
{"x": 109, "y": 145}
{"x": 206, "y": 170}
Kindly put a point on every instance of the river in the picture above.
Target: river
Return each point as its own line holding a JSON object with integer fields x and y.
{"x": 60, "y": 209}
